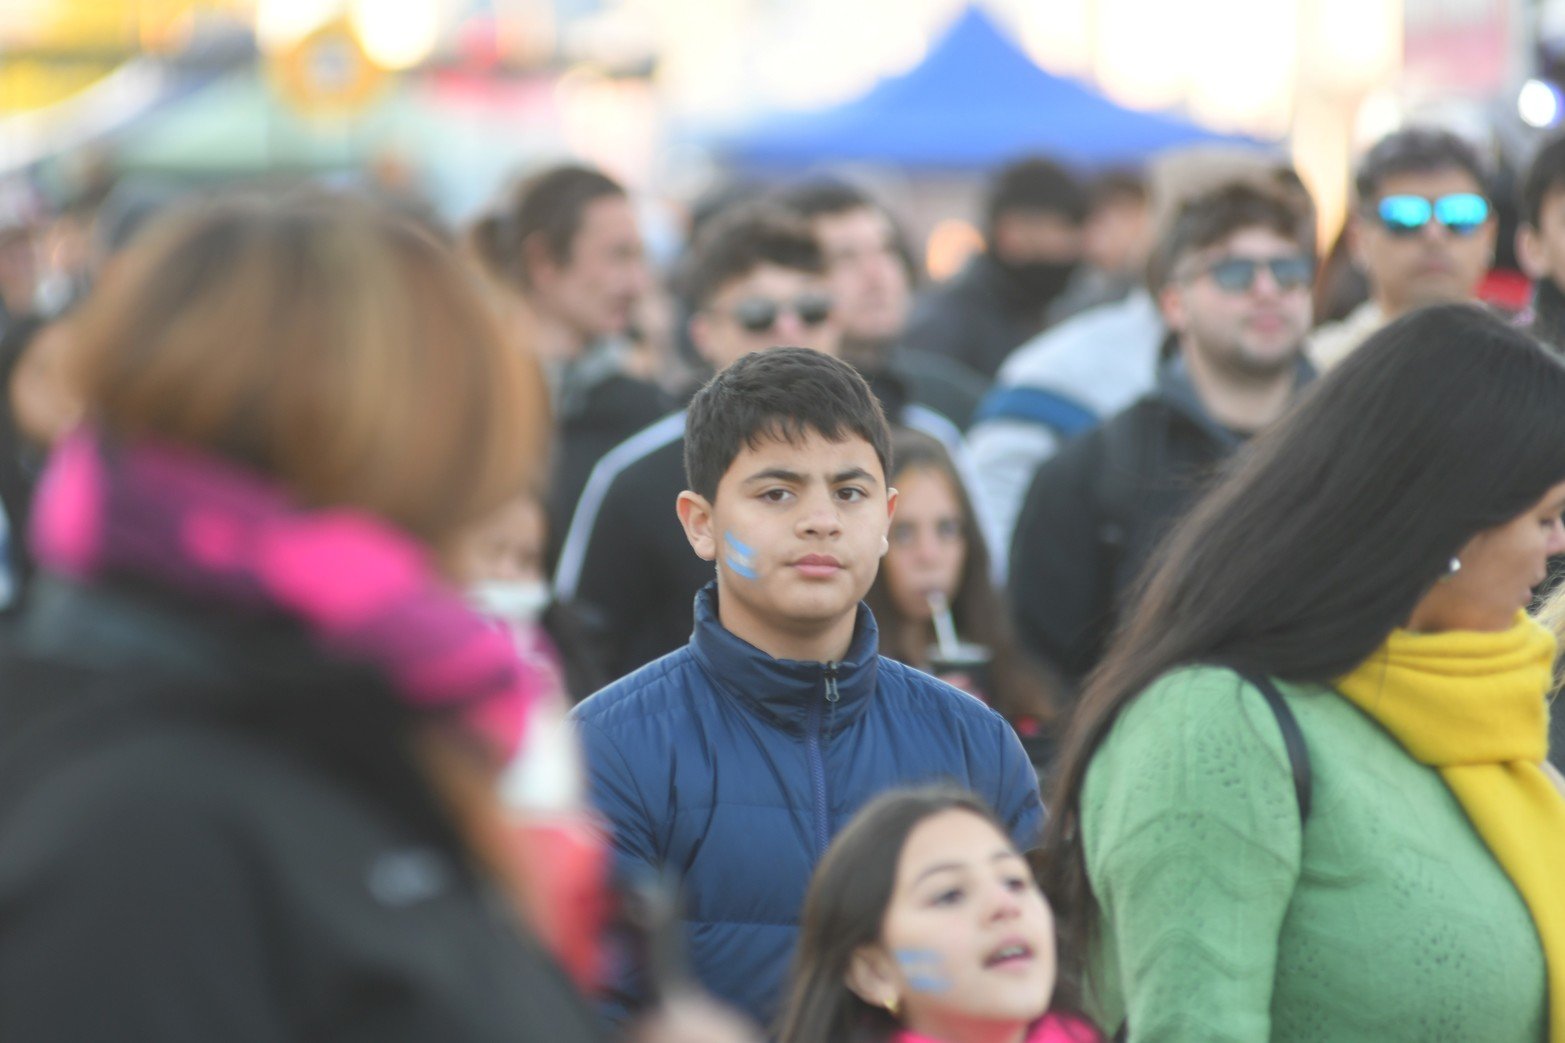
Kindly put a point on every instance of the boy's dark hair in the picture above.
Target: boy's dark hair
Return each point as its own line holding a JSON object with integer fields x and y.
{"x": 740, "y": 240}
{"x": 1210, "y": 218}
{"x": 1546, "y": 174}
{"x": 548, "y": 207}
{"x": 782, "y": 393}
{"x": 1416, "y": 150}
{"x": 1035, "y": 183}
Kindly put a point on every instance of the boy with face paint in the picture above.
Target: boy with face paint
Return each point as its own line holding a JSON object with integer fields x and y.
{"x": 733, "y": 760}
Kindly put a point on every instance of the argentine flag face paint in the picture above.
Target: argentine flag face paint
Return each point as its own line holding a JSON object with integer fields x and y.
{"x": 738, "y": 556}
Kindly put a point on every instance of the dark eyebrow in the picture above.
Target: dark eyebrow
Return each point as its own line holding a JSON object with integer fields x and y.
{"x": 854, "y": 474}
{"x": 777, "y": 474}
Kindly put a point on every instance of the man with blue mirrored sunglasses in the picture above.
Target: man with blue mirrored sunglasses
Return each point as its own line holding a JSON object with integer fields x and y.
{"x": 1422, "y": 231}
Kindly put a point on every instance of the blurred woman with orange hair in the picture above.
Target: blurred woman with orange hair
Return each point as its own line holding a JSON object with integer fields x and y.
{"x": 249, "y": 730}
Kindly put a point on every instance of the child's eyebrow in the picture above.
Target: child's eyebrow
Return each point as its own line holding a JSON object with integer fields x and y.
{"x": 776, "y": 474}
{"x": 853, "y": 474}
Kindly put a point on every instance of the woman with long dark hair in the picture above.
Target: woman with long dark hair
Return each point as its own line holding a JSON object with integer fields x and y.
{"x": 938, "y": 549}
{"x": 1378, "y": 855}
{"x": 923, "y": 924}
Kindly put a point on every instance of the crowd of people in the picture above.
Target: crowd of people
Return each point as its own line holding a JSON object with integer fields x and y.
{"x": 411, "y": 632}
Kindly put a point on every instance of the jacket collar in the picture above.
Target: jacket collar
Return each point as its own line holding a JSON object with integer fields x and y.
{"x": 790, "y": 693}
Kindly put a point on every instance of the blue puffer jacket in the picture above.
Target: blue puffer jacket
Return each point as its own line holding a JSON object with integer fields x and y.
{"x": 734, "y": 770}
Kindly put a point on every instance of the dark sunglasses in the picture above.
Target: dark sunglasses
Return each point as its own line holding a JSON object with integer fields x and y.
{"x": 1461, "y": 213}
{"x": 1237, "y": 274}
{"x": 759, "y": 314}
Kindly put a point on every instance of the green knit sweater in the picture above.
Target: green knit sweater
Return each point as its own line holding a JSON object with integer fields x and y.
{"x": 1388, "y": 920}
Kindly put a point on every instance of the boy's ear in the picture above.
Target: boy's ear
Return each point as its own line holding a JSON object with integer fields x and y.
{"x": 891, "y": 512}
{"x": 870, "y": 977}
{"x": 695, "y": 514}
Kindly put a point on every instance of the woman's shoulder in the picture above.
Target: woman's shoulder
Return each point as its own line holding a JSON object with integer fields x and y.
{"x": 1198, "y": 736}
{"x": 1207, "y": 698}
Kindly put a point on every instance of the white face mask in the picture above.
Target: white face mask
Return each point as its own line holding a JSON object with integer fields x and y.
{"x": 514, "y": 601}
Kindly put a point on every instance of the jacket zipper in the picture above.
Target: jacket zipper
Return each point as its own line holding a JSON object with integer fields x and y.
{"x": 813, "y": 750}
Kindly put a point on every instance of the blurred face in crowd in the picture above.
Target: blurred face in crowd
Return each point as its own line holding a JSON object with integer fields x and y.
{"x": 1500, "y": 569}
{"x": 967, "y": 943}
{"x": 499, "y": 562}
{"x": 1243, "y": 305}
{"x": 1117, "y": 235}
{"x": 869, "y": 283}
{"x": 1432, "y": 264}
{"x": 797, "y": 530}
{"x": 594, "y": 289}
{"x": 18, "y": 269}
{"x": 928, "y": 541}
{"x": 507, "y": 545}
{"x": 1542, "y": 249}
{"x": 769, "y": 307}
{"x": 1027, "y": 236}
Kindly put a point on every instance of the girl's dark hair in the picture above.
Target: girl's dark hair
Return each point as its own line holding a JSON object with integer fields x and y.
{"x": 1018, "y": 686}
{"x": 1322, "y": 536}
{"x": 845, "y": 908}
{"x": 548, "y": 207}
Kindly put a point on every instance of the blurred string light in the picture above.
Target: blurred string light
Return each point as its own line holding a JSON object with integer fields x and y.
{"x": 396, "y": 34}
{"x": 1539, "y": 104}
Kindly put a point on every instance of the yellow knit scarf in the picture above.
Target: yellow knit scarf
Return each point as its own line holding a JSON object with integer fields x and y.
{"x": 1473, "y": 705}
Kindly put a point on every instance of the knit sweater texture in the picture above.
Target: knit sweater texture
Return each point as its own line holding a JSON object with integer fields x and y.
{"x": 1385, "y": 918}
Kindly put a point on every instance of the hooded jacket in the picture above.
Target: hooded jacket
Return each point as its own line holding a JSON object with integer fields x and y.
{"x": 734, "y": 770}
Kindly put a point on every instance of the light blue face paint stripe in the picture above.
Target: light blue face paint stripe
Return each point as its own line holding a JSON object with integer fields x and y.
{"x": 740, "y": 558}
{"x": 923, "y": 969}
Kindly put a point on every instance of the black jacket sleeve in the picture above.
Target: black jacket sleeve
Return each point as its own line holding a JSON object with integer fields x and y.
{"x": 1061, "y": 586}
{"x": 616, "y": 584}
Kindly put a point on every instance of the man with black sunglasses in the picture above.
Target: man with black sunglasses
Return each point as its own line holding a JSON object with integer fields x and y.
{"x": 1422, "y": 229}
{"x": 1233, "y": 286}
{"x": 754, "y": 279}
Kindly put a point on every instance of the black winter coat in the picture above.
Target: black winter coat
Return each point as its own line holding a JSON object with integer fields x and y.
{"x": 209, "y": 833}
{"x": 1096, "y": 511}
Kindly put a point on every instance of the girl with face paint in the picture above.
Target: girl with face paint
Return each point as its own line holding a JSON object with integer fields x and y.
{"x": 923, "y": 924}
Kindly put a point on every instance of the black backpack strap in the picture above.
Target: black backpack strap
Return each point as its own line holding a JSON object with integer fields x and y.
{"x": 1292, "y": 740}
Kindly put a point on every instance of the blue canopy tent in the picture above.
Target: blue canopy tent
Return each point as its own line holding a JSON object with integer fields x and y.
{"x": 976, "y": 101}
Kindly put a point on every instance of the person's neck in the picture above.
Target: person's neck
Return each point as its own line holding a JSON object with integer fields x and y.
{"x": 557, "y": 341}
{"x": 827, "y": 644}
{"x": 1244, "y": 402}
{"x": 1391, "y": 310}
{"x": 973, "y": 1031}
